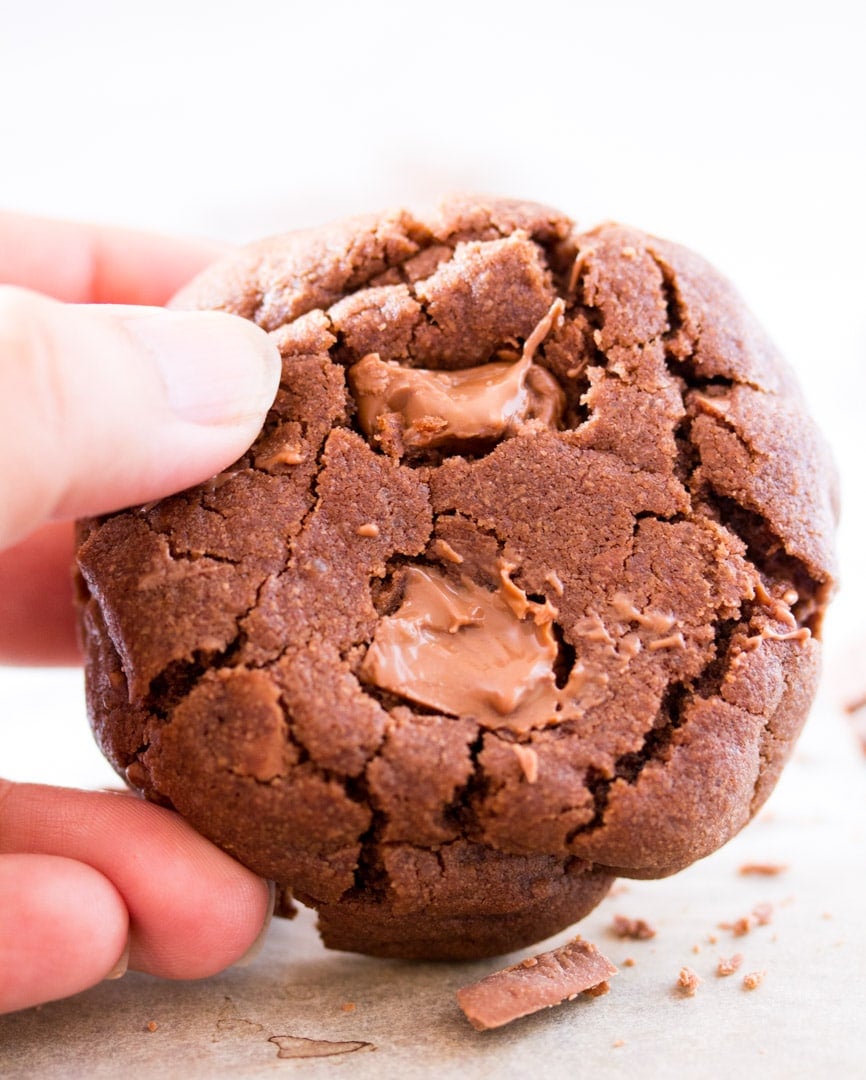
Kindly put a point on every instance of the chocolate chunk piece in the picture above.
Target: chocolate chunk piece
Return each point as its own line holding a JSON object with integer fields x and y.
{"x": 462, "y": 408}
{"x": 459, "y": 648}
{"x": 535, "y": 983}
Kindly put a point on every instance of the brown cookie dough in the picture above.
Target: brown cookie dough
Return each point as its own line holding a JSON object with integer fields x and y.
{"x": 519, "y": 588}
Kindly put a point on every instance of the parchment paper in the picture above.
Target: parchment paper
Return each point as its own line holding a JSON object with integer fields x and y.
{"x": 383, "y": 1018}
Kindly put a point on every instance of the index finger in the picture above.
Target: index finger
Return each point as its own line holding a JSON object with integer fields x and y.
{"x": 82, "y": 263}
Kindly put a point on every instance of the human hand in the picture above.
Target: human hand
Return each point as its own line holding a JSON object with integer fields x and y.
{"x": 102, "y": 407}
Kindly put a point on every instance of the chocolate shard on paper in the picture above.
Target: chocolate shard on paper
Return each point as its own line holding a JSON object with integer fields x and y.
{"x": 536, "y": 983}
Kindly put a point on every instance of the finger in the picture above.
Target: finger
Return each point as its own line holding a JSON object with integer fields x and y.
{"x": 64, "y": 928}
{"x": 84, "y": 264}
{"x": 37, "y": 618}
{"x": 101, "y": 407}
{"x": 193, "y": 910}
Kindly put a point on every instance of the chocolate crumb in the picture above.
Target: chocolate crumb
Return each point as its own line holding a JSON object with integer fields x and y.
{"x": 739, "y": 927}
{"x": 728, "y": 965}
{"x": 763, "y": 914}
{"x": 635, "y": 929}
{"x": 556, "y": 976}
{"x": 753, "y": 980}
{"x": 527, "y": 759}
{"x": 855, "y": 705}
{"x": 856, "y": 713}
{"x": 441, "y": 549}
{"x": 688, "y": 982}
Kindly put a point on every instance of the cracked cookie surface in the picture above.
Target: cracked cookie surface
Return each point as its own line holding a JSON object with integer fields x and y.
{"x": 519, "y": 588}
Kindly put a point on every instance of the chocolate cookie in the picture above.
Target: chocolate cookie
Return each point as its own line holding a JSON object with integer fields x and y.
{"x": 518, "y": 589}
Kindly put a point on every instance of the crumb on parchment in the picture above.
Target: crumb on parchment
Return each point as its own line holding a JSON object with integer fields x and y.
{"x": 635, "y": 929}
{"x": 688, "y": 982}
{"x": 760, "y": 915}
{"x": 728, "y": 965}
{"x": 763, "y": 914}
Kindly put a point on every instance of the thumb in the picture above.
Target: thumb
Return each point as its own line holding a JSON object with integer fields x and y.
{"x": 105, "y": 406}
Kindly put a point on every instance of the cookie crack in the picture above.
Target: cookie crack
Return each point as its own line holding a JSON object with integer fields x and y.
{"x": 629, "y": 766}
{"x": 176, "y": 682}
{"x": 362, "y": 267}
{"x": 182, "y": 557}
{"x": 461, "y": 809}
{"x": 576, "y": 298}
{"x": 766, "y": 552}
{"x": 179, "y": 678}
{"x": 683, "y": 335}
{"x": 370, "y": 879}
{"x": 675, "y": 307}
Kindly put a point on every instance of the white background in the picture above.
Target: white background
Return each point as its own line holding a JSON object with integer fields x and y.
{"x": 737, "y": 129}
